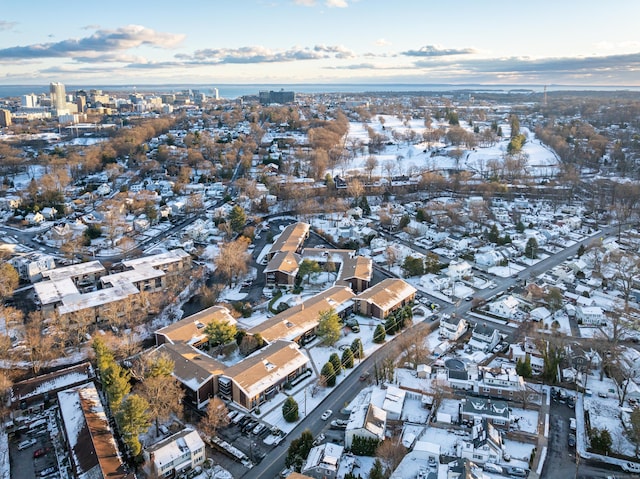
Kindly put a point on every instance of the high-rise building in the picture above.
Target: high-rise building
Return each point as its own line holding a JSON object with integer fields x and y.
{"x": 5, "y": 118}
{"x": 58, "y": 96}
{"x": 216, "y": 94}
{"x": 29, "y": 101}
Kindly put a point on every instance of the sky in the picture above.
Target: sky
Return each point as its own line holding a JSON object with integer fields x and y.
{"x": 543, "y": 42}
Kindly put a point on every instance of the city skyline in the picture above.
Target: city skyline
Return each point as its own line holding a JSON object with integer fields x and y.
{"x": 321, "y": 41}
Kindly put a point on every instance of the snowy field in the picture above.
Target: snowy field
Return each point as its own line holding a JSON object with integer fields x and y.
{"x": 404, "y": 157}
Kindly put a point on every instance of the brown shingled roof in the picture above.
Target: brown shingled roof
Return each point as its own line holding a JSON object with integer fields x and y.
{"x": 299, "y": 319}
{"x": 189, "y": 329}
{"x": 387, "y": 293}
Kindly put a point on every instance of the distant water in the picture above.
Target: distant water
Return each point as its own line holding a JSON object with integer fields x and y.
{"x": 230, "y": 91}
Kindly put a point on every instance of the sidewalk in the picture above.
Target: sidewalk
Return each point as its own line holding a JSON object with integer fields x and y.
{"x": 543, "y": 435}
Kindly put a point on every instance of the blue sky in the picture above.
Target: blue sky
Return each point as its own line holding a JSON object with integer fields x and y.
{"x": 571, "y": 42}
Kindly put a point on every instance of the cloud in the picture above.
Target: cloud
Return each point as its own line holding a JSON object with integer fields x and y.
{"x": 580, "y": 65}
{"x": 327, "y": 3}
{"x": 435, "y": 51}
{"x": 123, "y": 38}
{"x": 4, "y": 25}
{"x": 382, "y": 42}
{"x": 336, "y": 3}
{"x": 258, "y": 54}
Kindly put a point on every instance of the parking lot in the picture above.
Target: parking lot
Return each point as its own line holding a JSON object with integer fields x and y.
{"x": 25, "y": 464}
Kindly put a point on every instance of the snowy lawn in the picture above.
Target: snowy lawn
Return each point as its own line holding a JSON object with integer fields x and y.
{"x": 524, "y": 420}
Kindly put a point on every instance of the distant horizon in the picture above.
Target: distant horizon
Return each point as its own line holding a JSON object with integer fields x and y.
{"x": 236, "y": 90}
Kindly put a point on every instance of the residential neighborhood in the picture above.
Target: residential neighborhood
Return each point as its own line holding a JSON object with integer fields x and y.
{"x": 326, "y": 286}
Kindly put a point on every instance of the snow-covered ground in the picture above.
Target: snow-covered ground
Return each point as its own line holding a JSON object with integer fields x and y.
{"x": 403, "y": 157}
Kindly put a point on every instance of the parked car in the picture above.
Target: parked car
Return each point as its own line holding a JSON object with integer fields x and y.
{"x": 326, "y": 415}
{"x": 518, "y": 472}
{"x": 27, "y": 443}
{"x": 631, "y": 467}
{"x": 339, "y": 424}
{"x": 286, "y": 472}
{"x": 318, "y": 440}
{"x": 47, "y": 471}
{"x": 572, "y": 440}
{"x": 490, "y": 467}
{"x": 258, "y": 429}
{"x": 40, "y": 452}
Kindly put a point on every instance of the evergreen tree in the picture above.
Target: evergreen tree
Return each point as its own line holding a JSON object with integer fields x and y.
{"x": 379, "y": 334}
{"x": 237, "y": 219}
{"x": 117, "y": 385}
{"x": 520, "y": 227}
{"x": 133, "y": 420}
{"x": 377, "y": 471}
{"x": 329, "y": 328}
{"x": 523, "y": 368}
{"x": 337, "y": 364}
{"x": 493, "y": 234}
{"x": 581, "y": 250}
{"x": 364, "y": 204}
{"x": 290, "y": 409}
{"x": 347, "y": 358}
{"x": 357, "y": 349}
{"x": 390, "y": 325}
{"x": 220, "y": 332}
{"x": 328, "y": 374}
{"x": 531, "y": 249}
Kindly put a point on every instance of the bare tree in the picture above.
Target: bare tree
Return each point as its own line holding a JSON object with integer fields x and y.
{"x": 217, "y": 417}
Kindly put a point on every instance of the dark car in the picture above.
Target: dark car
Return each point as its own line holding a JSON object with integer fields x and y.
{"x": 40, "y": 452}
{"x": 572, "y": 440}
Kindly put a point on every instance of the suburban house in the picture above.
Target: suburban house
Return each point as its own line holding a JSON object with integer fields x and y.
{"x": 299, "y": 322}
{"x": 500, "y": 382}
{"x": 262, "y": 375}
{"x": 394, "y": 402}
{"x": 458, "y": 270}
{"x": 176, "y": 454}
{"x": 484, "y": 445}
{"x": 473, "y": 409}
{"x": 191, "y": 330}
{"x": 464, "y": 469}
{"x": 421, "y": 458}
{"x": 505, "y": 308}
{"x": 452, "y": 327}
{"x": 484, "y": 338}
{"x": 366, "y": 421}
{"x": 89, "y": 438}
{"x": 290, "y": 240}
{"x": 590, "y": 316}
{"x": 384, "y": 298}
{"x": 323, "y": 461}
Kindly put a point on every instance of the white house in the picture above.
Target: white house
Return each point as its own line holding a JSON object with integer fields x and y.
{"x": 394, "y": 402}
{"x": 459, "y": 269}
{"x": 484, "y": 445}
{"x": 178, "y": 453}
{"x": 484, "y": 338}
{"x": 323, "y": 461}
{"x": 366, "y": 421}
{"x": 506, "y": 307}
{"x": 590, "y": 315}
{"x": 452, "y": 328}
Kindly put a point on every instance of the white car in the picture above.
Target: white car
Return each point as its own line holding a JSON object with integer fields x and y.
{"x": 326, "y": 415}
